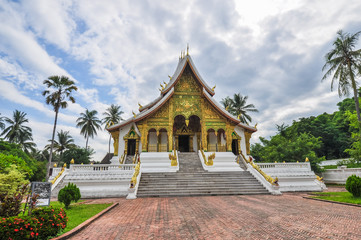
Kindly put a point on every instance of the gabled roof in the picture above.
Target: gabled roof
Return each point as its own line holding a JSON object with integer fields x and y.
{"x": 178, "y": 73}
{"x": 168, "y": 91}
{"x": 176, "y": 76}
{"x": 144, "y": 113}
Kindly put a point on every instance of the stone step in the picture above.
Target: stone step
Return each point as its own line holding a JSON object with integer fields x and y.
{"x": 201, "y": 193}
{"x": 193, "y": 180}
{"x": 199, "y": 188}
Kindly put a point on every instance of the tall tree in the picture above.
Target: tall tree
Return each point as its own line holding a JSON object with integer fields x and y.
{"x": 65, "y": 141}
{"x": 58, "y": 93}
{"x": 112, "y": 116}
{"x": 16, "y": 131}
{"x": 238, "y": 106}
{"x": 227, "y": 103}
{"x": 344, "y": 63}
{"x": 89, "y": 123}
{"x": 2, "y": 124}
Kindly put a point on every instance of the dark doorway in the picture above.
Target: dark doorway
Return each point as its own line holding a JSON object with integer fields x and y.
{"x": 131, "y": 146}
{"x": 183, "y": 142}
{"x": 235, "y": 146}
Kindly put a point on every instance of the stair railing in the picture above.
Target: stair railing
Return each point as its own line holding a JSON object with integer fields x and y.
{"x": 173, "y": 157}
{"x": 122, "y": 158}
{"x": 135, "y": 158}
{"x": 133, "y": 181}
{"x": 209, "y": 161}
{"x": 273, "y": 181}
{"x": 57, "y": 176}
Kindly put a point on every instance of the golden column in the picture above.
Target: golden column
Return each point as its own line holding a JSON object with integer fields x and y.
{"x": 115, "y": 136}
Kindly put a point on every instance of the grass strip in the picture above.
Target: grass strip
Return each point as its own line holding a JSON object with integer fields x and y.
{"x": 79, "y": 213}
{"x": 343, "y": 197}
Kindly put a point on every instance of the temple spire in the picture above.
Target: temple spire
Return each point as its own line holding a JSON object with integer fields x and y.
{"x": 187, "y": 49}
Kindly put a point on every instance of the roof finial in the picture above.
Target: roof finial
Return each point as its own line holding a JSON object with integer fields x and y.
{"x": 187, "y": 49}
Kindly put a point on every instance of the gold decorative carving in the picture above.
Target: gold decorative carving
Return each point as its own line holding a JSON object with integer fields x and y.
{"x": 248, "y": 135}
{"x": 115, "y": 136}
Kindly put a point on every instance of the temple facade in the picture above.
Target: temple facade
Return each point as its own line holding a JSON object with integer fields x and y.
{"x": 185, "y": 117}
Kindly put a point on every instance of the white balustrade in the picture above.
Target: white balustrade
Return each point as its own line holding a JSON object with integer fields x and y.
{"x": 56, "y": 171}
{"x": 100, "y": 167}
{"x": 305, "y": 165}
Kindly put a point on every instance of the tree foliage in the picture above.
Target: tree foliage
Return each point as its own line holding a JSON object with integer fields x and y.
{"x": 89, "y": 123}
{"x": 17, "y": 132}
{"x": 343, "y": 62}
{"x": 329, "y": 135}
{"x": 80, "y": 155}
{"x": 238, "y": 107}
{"x": 57, "y": 95}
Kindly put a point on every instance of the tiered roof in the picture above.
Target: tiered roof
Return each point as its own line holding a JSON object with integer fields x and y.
{"x": 168, "y": 91}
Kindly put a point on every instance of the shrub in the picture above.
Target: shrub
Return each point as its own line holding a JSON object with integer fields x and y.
{"x": 10, "y": 204}
{"x": 51, "y": 220}
{"x": 11, "y": 179}
{"x": 24, "y": 227}
{"x": 44, "y": 223}
{"x": 68, "y": 194}
{"x": 353, "y": 185}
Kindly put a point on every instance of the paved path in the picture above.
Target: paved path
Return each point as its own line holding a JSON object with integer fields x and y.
{"x": 226, "y": 217}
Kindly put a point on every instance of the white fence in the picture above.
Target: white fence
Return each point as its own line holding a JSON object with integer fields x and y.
{"x": 303, "y": 165}
{"x": 100, "y": 167}
{"x": 340, "y": 175}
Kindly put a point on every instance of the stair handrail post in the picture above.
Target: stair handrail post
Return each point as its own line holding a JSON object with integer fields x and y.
{"x": 272, "y": 181}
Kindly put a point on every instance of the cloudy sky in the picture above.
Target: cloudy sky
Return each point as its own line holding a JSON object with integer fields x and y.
{"x": 119, "y": 51}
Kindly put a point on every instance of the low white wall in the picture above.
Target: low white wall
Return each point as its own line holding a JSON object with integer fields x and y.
{"x": 293, "y": 176}
{"x": 98, "y": 180}
{"x": 340, "y": 175}
{"x": 332, "y": 162}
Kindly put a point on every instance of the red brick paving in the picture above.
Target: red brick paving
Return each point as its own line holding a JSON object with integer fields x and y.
{"x": 226, "y": 217}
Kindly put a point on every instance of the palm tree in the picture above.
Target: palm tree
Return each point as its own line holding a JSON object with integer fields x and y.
{"x": 2, "y": 124}
{"x": 65, "y": 141}
{"x": 16, "y": 132}
{"x": 89, "y": 124}
{"x": 112, "y": 116}
{"x": 27, "y": 144}
{"x": 238, "y": 106}
{"x": 345, "y": 64}
{"x": 227, "y": 103}
{"x": 60, "y": 91}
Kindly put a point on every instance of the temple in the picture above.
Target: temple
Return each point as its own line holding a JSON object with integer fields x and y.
{"x": 185, "y": 117}
{"x": 183, "y": 143}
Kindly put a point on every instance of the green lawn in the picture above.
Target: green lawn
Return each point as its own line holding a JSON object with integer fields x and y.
{"x": 344, "y": 197}
{"x": 78, "y": 213}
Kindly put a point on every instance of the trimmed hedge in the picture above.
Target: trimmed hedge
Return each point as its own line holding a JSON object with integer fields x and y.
{"x": 68, "y": 194}
{"x": 43, "y": 223}
{"x": 353, "y": 185}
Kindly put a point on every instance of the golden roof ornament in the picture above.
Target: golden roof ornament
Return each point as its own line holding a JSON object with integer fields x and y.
{"x": 213, "y": 88}
{"x": 165, "y": 84}
{"x": 55, "y": 165}
{"x": 140, "y": 106}
{"x": 227, "y": 108}
{"x": 134, "y": 115}
{"x": 72, "y": 161}
{"x": 255, "y": 126}
{"x": 307, "y": 160}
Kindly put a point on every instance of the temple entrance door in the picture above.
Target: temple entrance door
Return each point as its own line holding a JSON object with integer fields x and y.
{"x": 235, "y": 146}
{"x": 183, "y": 143}
{"x": 131, "y": 146}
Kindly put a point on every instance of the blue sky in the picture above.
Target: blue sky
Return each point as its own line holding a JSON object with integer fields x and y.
{"x": 119, "y": 51}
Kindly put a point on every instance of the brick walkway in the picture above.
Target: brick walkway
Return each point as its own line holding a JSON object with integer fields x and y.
{"x": 226, "y": 217}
